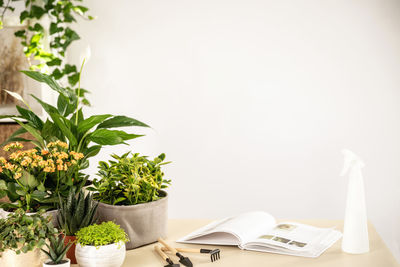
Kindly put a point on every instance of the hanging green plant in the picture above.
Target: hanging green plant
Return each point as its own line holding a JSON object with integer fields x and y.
{"x": 46, "y": 45}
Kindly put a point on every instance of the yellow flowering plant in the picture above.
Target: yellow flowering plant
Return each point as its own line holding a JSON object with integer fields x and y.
{"x": 32, "y": 179}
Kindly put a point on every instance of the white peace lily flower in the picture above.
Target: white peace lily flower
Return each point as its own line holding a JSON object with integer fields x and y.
{"x": 18, "y": 97}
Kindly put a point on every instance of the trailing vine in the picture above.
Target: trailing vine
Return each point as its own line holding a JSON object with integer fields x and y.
{"x": 45, "y": 47}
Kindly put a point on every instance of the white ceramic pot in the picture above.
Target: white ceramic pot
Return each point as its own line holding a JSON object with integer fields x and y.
{"x": 104, "y": 256}
{"x": 65, "y": 264}
{"x": 33, "y": 258}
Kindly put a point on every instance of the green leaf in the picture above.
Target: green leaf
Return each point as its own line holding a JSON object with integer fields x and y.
{"x": 62, "y": 104}
{"x": 3, "y": 185}
{"x": 125, "y": 136}
{"x": 37, "y": 11}
{"x": 50, "y": 132}
{"x": 90, "y": 122}
{"x": 121, "y": 121}
{"x": 69, "y": 68}
{"x": 28, "y": 179}
{"x": 30, "y": 116}
{"x": 47, "y": 107}
{"x": 32, "y": 131}
{"x": 73, "y": 79}
{"x": 105, "y": 137}
{"x": 92, "y": 151}
{"x": 59, "y": 121}
{"x": 71, "y": 36}
{"x": 54, "y": 28}
{"x": 19, "y": 33}
{"x": 24, "y": 14}
{"x": 54, "y": 62}
{"x": 47, "y": 79}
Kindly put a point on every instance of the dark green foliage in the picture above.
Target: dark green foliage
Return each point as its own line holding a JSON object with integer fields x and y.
{"x": 76, "y": 211}
{"x": 129, "y": 180}
{"x": 22, "y": 233}
{"x": 60, "y": 36}
{"x": 67, "y": 123}
{"x": 57, "y": 249}
{"x": 102, "y": 234}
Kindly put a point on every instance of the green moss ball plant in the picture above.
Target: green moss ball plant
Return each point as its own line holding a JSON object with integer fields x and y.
{"x": 102, "y": 234}
{"x": 101, "y": 245}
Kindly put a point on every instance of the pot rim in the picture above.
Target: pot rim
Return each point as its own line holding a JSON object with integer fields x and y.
{"x": 103, "y": 246}
{"x": 48, "y": 261}
{"x": 136, "y": 206}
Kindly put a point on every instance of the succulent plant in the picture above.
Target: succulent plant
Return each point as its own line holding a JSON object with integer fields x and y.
{"x": 57, "y": 249}
{"x": 76, "y": 211}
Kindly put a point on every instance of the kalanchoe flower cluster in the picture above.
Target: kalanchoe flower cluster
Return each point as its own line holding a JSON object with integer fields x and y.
{"x": 55, "y": 158}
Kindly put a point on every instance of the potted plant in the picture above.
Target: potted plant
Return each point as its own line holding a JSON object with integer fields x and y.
{"x": 32, "y": 179}
{"x": 101, "y": 245}
{"x": 75, "y": 212}
{"x": 56, "y": 252}
{"x": 129, "y": 192}
{"x": 22, "y": 236}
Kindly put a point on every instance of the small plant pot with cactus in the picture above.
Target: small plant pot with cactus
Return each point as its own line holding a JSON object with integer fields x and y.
{"x": 75, "y": 212}
{"x": 101, "y": 245}
{"x": 56, "y": 252}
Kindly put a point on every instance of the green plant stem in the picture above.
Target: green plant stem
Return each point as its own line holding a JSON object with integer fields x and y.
{"x": 79, "y": 91}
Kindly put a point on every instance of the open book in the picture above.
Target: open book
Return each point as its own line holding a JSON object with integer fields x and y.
{"x": 259, "y": 231}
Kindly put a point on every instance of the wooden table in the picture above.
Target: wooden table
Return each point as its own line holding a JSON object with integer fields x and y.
{"x": 378, "y": 256}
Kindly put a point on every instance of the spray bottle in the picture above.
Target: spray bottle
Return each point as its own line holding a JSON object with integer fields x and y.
{"x": 355, "y": 233}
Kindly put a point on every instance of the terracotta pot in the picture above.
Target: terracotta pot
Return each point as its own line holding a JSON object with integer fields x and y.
{"x": 71, "y": 251}
{"x": 144, "y": 223}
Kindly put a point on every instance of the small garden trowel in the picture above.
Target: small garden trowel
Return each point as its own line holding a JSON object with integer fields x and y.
{"x": 182, "y": 259}
{"x": 166, "y": 258}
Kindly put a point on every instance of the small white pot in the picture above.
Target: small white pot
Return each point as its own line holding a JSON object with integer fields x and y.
{"x": 103, "y": 256}
{"x": 65, "y": 264}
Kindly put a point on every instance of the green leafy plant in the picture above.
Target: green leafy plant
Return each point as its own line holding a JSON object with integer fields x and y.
{"x": 102, "y": 234}
{"x": 57, "y": 249}
{"x": 22, "y": 233}
{"x": 129, "y": 180}
{"x": 32, "y": 179}
{"x": 76, "y": 212}
{"x": 48, "y": 44}
{"x": 67, "y": 123}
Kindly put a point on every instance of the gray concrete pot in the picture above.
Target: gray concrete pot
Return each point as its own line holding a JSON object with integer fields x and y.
{"x": 144, "y": 223}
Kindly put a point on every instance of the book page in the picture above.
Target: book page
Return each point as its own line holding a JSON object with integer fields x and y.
{"x": 233, "y": 230}
{"x": 297, "y": 238}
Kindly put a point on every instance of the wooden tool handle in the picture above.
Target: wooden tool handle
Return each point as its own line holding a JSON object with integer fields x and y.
{"x": 162, "y": 254}
{"x": 174, "y": 251}
{"x": 184, "y": 250}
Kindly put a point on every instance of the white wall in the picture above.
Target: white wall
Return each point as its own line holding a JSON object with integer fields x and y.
{"x": 253, "y": 100}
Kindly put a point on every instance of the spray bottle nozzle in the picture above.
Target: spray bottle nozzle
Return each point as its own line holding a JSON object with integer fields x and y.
{"x": 350, "y": 160}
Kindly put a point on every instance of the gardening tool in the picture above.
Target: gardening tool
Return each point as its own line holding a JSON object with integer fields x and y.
{"x": 166, "y": 258}
{"x": 182, "y": 259}
{"x": 215, "y": 254}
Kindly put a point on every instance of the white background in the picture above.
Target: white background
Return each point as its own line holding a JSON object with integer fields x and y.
{"x": 253, "y": 100}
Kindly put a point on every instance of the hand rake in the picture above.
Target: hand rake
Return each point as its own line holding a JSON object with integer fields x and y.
{"x": 215, "y": 254}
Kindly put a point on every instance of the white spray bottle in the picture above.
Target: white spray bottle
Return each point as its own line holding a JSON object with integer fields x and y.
{"x": 355, "y": 233}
